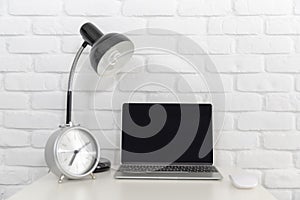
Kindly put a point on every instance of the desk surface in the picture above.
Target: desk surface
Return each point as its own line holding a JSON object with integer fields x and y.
{"x": 105, "y": 187}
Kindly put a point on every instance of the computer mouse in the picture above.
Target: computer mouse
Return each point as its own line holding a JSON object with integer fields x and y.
{"x": 243, "y": 180}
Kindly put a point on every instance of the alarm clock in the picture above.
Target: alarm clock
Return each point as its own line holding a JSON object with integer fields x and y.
{"x": 72, "y": 152}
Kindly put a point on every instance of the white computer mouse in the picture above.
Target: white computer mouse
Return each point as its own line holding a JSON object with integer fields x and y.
{"x": 244, "y": 180}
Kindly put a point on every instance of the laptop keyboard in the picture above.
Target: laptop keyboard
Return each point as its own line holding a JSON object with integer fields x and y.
{"x": 169, "y": 168}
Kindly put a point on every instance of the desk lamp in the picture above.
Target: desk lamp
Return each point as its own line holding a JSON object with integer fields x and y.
{"x": 72, "y": 151}
{"x": 109, "y": 53}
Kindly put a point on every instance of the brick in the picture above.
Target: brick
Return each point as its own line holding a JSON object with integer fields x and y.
{"x": 297, "y": 195}
{"x": 31, "y": 120}
{"x": 33, "y": 44}
{"x": 206, "y": 45}
{"x": 1, "y": 81}
{"x": 71, "y": 44}
{"x": 297, "y": 7}
{"x": 265, "y": 121}
{"x": 40, "y": 138}
{"x": 2, "y": 7}
{"x": 25, "y": 157}
{"x": 173, "y": 64}
{"x": 1, "y": 118}
{"x": 283, "y": 102}
{"x": 192, "y": 83}
{"x": 235, "y": 25}
{"x": 283, "y": 25}
{"x": 15, "y": 63}
{"x": 148, "y": 8}
{"x": 95, "y": 119}
{"x": 147, "y": 82}
{"x": 281, "y": 194}
{"x": 14, "y": 175}
{"x": 297, "y": 160}
{"x": 240, "y": 102}
{"x": 14, "y": 138}
{"x": 52, "y": 100}
{"x": 264, "y": 159}
{"x": 115, "y": 100}
{"x": 237, "y": 140}
{"x": 118, "y": 24}
{"x": 108, "y": 139}
{"x": 267, "y": 7}
{"x": 92, "y": 7}
{"x": 204, "y": 7}
{"x": 3, "y": 45}
{"x": 198, "y": 83}
{"x": 113, "y": 155}
{"x": 53, "y": 26}
{"x": 264, "y": 83}
{"x": 31, "y": 82}
{"x": 81, "y": 100}
{"x": 38, "y": 172}
{"x": 14, "y": 101}
{"x": 244, "y": 102}
{"x": 236, "y": 64}
{"x": 157, "y": 44}
{"x": 267, "y": 45}
{"x": 90, "y": 82}
{"x": 298, "y": 122}
{"x": 281, "y": 140}
{"x": 53, "y": 63}
{"x": 223, "y": 158}
{"x": 135, "y": 65}
{"x": 191, "y": 25}
{"x": 297, "y": 83}
{"x": 282, "y": 64}
{"x": 14, "y": 26}
{"x": 282, "y": 178}
{"x": 172, "y": 97}
{"x": 256, "y": 172}
{"x": 1, "y": 157}
{"x": 297, "y": 44}
{"x": 222, "y": 121}
{"x": 34, "y": 7}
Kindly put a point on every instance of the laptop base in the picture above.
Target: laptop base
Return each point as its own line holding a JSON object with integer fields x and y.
{"x": 168, "y": 175}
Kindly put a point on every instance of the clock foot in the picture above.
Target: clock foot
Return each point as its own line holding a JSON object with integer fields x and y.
{"x": 93, "y": 176}
{"x": 61, "y": 178}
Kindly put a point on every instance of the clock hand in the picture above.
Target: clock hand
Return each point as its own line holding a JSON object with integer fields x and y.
{"x": 84, "y": 146}
{"x": 65, "y": 151}
{"x": 73, "y": 157}
{"x": 76, "y": 152}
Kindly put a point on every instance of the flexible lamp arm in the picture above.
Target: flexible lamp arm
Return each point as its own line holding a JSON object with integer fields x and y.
{"x": 70, "y": 83}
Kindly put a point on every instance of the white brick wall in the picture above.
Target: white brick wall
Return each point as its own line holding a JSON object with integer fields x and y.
{"x": 254, "y": 44}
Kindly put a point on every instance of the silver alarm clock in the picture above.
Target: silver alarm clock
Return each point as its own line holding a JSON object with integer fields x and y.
{"x": 72, "y": 152}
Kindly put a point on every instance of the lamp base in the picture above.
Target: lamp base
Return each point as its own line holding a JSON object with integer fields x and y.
{"x": 103, "y": 165}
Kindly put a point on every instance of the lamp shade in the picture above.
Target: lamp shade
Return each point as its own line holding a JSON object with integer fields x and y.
{"x": 109, "y": 52}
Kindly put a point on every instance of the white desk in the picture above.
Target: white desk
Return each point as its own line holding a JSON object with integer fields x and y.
{"x": 107, "y": 188}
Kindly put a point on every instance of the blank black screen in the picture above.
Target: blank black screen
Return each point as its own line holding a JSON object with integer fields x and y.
{"x": 193, "y": 121}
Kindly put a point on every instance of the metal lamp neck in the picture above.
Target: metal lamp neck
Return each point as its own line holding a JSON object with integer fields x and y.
{"x": 70, "y": 83}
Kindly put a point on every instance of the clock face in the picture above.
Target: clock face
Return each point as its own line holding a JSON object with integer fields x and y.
{"x": 77, "y": 152}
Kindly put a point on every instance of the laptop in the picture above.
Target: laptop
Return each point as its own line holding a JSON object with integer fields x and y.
{"x": 167, "y": 141}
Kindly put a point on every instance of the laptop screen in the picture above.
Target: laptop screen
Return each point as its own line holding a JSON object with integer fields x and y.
{"x": 167, "y": 133}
